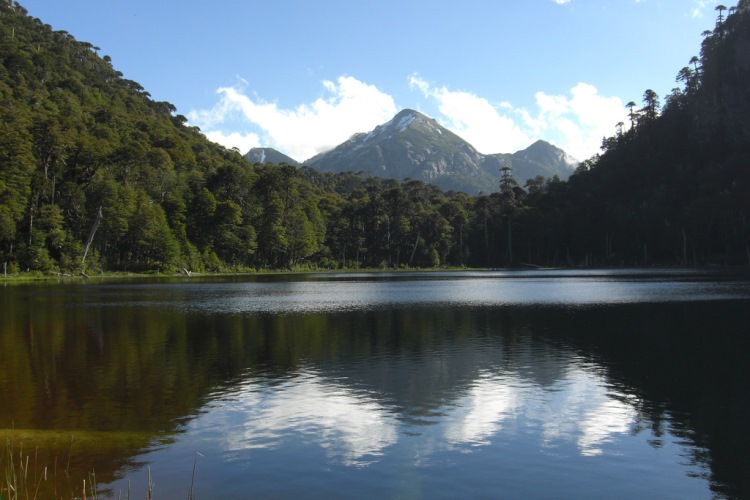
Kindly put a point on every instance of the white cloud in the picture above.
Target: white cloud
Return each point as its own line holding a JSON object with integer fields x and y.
{"x": 243, "y": 142}
{"x": 576, "y": 122}
{"x": 562, "y": 2}
{"x": 351, "y": 106}
{"x": 475, "y": 119}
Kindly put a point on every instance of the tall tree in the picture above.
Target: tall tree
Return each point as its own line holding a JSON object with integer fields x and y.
{"x": 694, "y": 61}
{"x": 509, "y": 204}
{"x": 632, "y": 114}
{"x": 650, "y": 105}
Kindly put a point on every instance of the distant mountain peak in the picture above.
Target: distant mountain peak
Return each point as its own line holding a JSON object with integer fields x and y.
{"x": 413, "y": 145}
{"x": 405, "y": 119}
{"x": 398, "y": 124}
{"x": 545, "y": 153}
{"x": 270, "y": 155}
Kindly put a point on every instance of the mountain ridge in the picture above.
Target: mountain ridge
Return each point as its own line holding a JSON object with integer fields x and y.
{"x": 414, "y": 145}
{"x": 270, "y": 155}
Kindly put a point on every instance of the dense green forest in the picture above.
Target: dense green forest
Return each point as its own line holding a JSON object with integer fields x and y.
{"x": 97, "y": 176}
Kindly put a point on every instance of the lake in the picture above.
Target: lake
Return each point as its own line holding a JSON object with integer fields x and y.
{"x": 501, "y": 384}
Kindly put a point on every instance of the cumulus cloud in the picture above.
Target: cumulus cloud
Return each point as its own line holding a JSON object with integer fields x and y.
{"x": 474, "y": 118}
{"x": 350, "y": 106}
{"x": 243, "y": 142}
{"x": 575, "y": 122}
{"x": 578, "y": 122}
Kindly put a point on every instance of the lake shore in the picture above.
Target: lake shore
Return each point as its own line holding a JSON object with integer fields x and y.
{"x": 117, "y": 275}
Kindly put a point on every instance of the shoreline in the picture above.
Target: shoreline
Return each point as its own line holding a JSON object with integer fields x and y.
{"x": 124, "y": 275}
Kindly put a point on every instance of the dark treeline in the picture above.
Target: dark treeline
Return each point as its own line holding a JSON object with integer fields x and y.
{"x": 675, "y": 187}
{"x": 95, "y": 175}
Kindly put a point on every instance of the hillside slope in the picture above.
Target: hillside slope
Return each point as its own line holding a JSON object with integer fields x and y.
{"x": 91, "y": 166}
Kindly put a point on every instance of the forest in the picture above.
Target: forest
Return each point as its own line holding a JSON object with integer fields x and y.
{"x": 96, "y": 176}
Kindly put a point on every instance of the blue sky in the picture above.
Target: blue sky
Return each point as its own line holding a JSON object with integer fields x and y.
{"x": 302, "y": 76}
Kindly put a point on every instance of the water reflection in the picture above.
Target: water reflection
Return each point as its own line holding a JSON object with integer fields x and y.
{"x": 478, "y": 416}
{"x": 352, "y": 292}
{"x": 352, "y": 428}
{"x": 355, "y": 428}
{"x": 478, "y": 379}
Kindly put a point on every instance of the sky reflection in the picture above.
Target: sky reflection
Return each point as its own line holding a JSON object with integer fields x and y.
{"x": 408, "y": 391}
{"x": 330, "y": 293}
{"x": 352, "y": 428}
{"x": 356, "y": 428}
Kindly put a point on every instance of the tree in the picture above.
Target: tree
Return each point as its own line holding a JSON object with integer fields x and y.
{"x": 272, "y": 238}
{"x": 694, "y": 61}
{"x": 509, "y": 204}
{"x": 619, "y": 129}
{"x": 720, "y": 20}
{"x": 200, "y": 221}
{"x": 686, "y": 75}
{"x": 485, "y": 210}
{"x": 456, "y": 213}
{"x": 16, "y": 167}
{"x": 650, "y": 105}
{"x": 632, "y": 114}
{"x": 151, "y": 244}
{"x": 720, "y": 9}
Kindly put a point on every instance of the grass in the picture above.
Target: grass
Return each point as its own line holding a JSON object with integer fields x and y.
{"x": 28, "y": 473}
{"x": 24, "y": 478}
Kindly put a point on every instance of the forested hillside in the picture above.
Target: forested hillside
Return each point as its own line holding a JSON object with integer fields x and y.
{"x": 77, "y": 139}
{"x": 675, "y": 187}
{"x": 97, "y": 176}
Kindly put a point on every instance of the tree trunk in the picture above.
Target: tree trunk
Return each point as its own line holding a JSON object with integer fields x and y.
{"x": 461, "y": 244}
{"x": 487, "y": 242}
{"x": 509, "y": 247}
{"x": 414, "y": 250}
{"x": 91, "y": 236}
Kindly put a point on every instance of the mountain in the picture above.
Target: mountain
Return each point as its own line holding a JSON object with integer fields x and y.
{"x": 270, "y": 155}
{"x": 544, "y": 159}
{"x": 541, "y": 158}
{"x": 415, "y": 146}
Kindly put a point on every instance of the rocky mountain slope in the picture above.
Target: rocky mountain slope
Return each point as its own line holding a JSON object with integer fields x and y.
{"x": 415, "y": 146}
{"x": 270, "y": 155}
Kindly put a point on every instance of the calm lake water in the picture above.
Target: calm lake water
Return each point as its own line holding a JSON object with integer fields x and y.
{"x": 523, "y": 384}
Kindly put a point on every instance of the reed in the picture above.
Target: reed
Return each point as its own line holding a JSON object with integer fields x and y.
{"x": 23, "y": 477}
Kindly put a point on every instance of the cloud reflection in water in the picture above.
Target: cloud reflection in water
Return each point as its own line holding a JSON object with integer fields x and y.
{"x": 356, "y": 428}
{"x": 352, "y": 429}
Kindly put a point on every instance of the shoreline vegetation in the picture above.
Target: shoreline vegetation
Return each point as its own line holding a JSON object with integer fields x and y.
{"x": 27, "y": 475}
{"x": 69, "y": 277}
{"x": 33, "y": 276}
{"x": 29, "y": 471}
